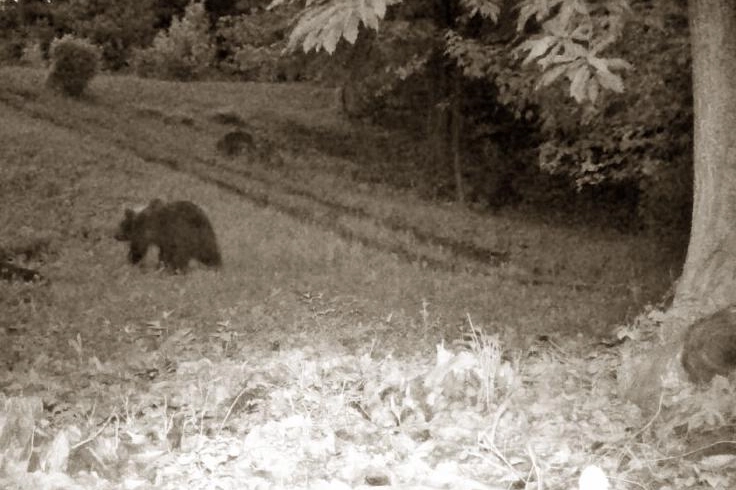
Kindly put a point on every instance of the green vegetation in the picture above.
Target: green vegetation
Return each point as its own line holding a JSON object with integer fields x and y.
{"x": 116, "y": 27}
{"x": 74, "y": 62}
{"x": 430, "y": 72}
{"x": 422, "y": 285}
{"x": 316, "y": 345}
{"x": 182, "y": 52}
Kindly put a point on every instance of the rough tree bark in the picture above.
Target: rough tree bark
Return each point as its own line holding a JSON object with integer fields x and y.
{"x": 708, "y": 281}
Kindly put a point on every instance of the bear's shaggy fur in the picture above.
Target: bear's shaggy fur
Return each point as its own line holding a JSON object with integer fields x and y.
{"x": 179, "y": 229}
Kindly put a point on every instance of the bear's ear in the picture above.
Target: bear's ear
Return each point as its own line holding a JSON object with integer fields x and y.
{"x": 129, "y": 213}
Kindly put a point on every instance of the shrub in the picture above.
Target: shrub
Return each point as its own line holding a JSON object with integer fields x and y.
{"x": 33, "y": 55}
{"x": 249, "y": 45}
{"x": 11, "y": 50}
{"x": 74, "y": 62}
{"x": 183, "y": 52}
{"x": 116, "y": 27}
{"x": 255, "y": 63}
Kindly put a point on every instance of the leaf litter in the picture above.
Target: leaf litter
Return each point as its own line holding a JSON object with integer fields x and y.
{"x": 472, "y": 417}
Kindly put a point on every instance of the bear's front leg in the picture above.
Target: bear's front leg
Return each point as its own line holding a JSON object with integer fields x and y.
{"x": 136, "y": 254}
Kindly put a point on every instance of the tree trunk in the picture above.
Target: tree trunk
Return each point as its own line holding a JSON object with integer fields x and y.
{"x": 437, "y": 121}
{"x": 457, "y": 164}
{"x": 708, "y": 281}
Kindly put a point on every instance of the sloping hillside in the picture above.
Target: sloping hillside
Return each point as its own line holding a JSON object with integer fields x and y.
{"x": 574, "y": 278}
{"x": 356, "y": 335}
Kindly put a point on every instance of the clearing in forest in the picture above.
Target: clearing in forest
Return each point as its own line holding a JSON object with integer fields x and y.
{"x": 336, "y": 346}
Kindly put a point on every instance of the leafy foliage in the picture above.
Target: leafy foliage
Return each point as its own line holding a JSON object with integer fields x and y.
{"x": 33, "y": 55}
{"x": 489, "y": 9}
{"x": 263, "y": 29}
{"x": 74, "y": 62}
{"x": 574, "y": 36}
{"x": 117, "y": 27}
{"x": 165, "y": 11}
{"x": 182, "y": 52}
{"x": 25, "y": 23}
{"x": 250, "y": 45}
{"x": 323, "y": 24}
{"x": 640, "y": 138}
{"x": 634, "y": 146}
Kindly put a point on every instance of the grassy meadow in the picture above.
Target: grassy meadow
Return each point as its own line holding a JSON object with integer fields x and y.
{"x": 319, "y": 256}
{"x": 304, "y": 234}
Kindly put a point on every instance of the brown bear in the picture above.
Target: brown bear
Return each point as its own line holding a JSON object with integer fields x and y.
{"x": 179, "y": 229}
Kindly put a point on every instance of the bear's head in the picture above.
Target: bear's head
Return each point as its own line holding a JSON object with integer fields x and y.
{"x": 134, "y": 218}
{"x": 125, "y": 228}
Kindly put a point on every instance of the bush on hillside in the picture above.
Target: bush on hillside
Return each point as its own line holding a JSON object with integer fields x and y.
{"x": 249, "y": 45}
{"x": 254, "y": 63}
{"x": 183, "y": 52}
{"x": 11, "y": 50}
{"x": 33, "y": 55}
{"x": 74, "y": 62}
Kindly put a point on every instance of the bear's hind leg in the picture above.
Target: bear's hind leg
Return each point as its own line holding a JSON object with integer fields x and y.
{"x": 178, "y": 260}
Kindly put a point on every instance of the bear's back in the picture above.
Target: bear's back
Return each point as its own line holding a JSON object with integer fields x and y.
{"x": 186, "y": 211}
